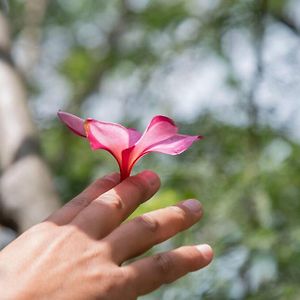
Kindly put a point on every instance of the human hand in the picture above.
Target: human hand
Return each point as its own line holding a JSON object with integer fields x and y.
{"x": 78, "y": 252}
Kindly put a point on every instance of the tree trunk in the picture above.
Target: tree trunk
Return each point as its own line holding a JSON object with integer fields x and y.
{"x": 26, "y": 188}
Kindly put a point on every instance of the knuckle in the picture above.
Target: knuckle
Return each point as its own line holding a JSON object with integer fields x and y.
{"x": 108, "y": 287}
{"x": 79, "y": 201}
{"x": 164, "y": 263}
{"x": 127, "y": 282}
{"x": 181, "y": 215}
{"x": 119, "y": 278}
{"x": 113, "y": 200}
{"x": 147, "y": 222}
{"x": 125, "y": 275}
{"x": 42, "y": 228}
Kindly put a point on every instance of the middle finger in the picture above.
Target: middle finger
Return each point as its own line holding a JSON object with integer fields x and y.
{"x": 106, "y": 212}
{"x": 140, "y": 234}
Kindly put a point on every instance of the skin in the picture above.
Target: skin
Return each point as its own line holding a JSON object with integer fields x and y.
{"x": 79, "y": 251}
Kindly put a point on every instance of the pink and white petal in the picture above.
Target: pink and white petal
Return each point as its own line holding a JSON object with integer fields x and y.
{"x": 160, "y": 136}
{"x": 73, "y": 122}
{"x": 160, "y": 128}
{"x": 174, "y": 145}
{"x": 112, "y": 137}
{"x": 134, "y": 136}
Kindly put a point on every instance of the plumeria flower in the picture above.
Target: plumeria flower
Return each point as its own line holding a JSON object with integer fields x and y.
{"x": 128, "y": 145}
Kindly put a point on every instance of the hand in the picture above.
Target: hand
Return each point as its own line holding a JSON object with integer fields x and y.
{"x": 78, "y": 252}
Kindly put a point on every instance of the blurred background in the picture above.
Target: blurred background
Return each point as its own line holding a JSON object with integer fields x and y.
{"x": 228, "y": 70}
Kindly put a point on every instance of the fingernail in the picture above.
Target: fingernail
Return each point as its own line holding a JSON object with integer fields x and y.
{"x": 149, "y": 176}
{"x": 206, "y": 251}
{"x": 193, "y": 205}
{"x": 114, "y": 177}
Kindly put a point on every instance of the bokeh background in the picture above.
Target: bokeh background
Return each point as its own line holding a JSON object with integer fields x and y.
{"x": 228, "y": 70}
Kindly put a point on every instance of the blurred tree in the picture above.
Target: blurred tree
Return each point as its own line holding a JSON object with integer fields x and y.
{"x": 225, "y": 69}
{"x": 25, "y": 180}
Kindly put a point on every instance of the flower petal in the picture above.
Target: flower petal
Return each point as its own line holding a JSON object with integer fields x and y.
{"x": 111, "y": 137}
{"x": 74, "y": 123}
{"x": 160, "y": 136}
{"x": 174, "y": 145}
{"x": 134, "y": 136}
{"x": 160, "y": 128}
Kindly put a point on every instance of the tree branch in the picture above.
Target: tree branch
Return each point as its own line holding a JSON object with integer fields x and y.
{"x": 26, "y": 188}
{"x": 31, "y": 34}
{"x": 98, "y": 71}
{"x": 288, "y": 22}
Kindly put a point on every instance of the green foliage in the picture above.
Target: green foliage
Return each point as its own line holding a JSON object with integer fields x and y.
{"x": 169, "y": 14}
{"x": 246, "y": 174}
{"x": 77, "y": 66}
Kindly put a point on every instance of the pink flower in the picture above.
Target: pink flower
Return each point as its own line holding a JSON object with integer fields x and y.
{"x": 128, "y": 145}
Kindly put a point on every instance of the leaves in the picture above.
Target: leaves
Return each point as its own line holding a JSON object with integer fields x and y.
{"x": 246, "y": 170}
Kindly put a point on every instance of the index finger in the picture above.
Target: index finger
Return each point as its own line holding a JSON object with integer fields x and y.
{"x": 71, "y": 209}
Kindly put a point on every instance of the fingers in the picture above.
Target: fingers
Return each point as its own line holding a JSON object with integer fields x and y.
{"x": 69, "y": 211}
{"x": 140, "y": 234}
{"x": 150, "y": 273}
{"x": 106, "y": 212}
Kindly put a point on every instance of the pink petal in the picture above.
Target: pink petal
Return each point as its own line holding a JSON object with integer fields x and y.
{"x": 111, "y": 137}
{"x": 160, "y": 136}
{"x": 134, "y": 136}
{"x": 174, "y": 145}
{"x": 74, "y": 123}
{"x": 160, "y": 128}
